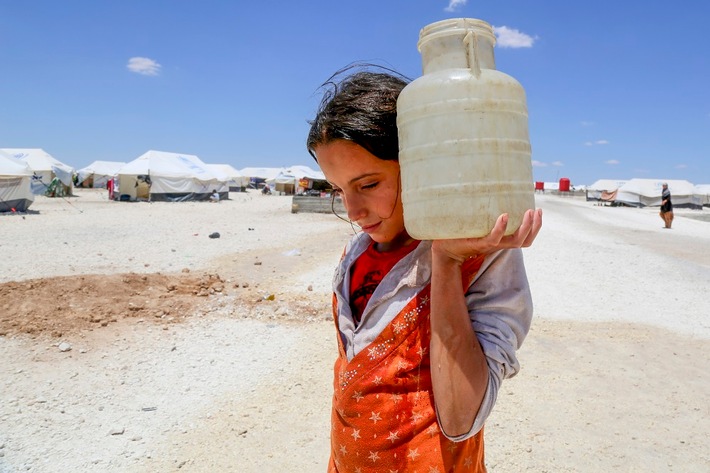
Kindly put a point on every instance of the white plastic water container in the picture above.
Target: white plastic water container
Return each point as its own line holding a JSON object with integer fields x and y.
{"x": 464, "y": 148}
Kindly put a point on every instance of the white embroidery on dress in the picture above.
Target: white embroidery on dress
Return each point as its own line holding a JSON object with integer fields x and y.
{"x": 344, "y": 377}
{"x": 378, "y": 351}
{"x": 398, "y": 327}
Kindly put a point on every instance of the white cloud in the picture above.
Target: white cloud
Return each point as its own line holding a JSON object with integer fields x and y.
{"x": 143, "y": 65}
{"x": 613, "y": 162}
{"x": 595, "y": 143}
{"x": 539, "y": 164}
{"x": 454, "y": 4}
{"x": 681, "y": 166}
{"x": 512, "y": 38}
{"x": 558, "y": 163}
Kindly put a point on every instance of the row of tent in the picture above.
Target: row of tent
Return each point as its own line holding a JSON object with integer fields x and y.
{"x": 647, "y": 192}
{"x": 159, "y": 175}
{"x": 155, "y": 176}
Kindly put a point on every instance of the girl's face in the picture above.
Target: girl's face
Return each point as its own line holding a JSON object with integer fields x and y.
{"x": 369, "y": 187}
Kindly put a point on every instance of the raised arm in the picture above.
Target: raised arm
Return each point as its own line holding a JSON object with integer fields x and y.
{"x": 459, "y": 367}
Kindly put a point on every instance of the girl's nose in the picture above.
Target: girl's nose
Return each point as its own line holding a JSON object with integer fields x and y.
{"x": 354, "y": 206}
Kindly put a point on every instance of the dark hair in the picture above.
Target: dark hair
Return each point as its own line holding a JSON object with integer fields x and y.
{"x": 361, "y": 108}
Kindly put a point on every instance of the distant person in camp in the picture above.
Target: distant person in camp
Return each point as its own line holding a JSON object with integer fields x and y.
{"x": 666, "y": 206}
{"x": 215, "y": 196}
{"x": 110, "y": 188}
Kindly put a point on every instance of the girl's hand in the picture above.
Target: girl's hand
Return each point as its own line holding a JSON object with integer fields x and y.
{"x": 461, "y": 249}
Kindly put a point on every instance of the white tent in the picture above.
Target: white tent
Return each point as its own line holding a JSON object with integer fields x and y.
{"x": 701, "y": 194}
{"x": 45, "y": 168}
{"x": 98, "y": 173}
{"x": 237, "y": 181}
{"x": 552, "y": 186}
{"x": 261, "y": 173}
{"x": 305, "y": 172}
{"x": 160, "y": 175}
{"x": 647, "y": 192}
{"x": 295, "y": 177}
{"x": 595, "y": 191}
{"x": 258, "y": 176}
{"x": 15, "y": 184}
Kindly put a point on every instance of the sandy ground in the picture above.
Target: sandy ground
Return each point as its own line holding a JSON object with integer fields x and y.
{"x": 133, "y": 342}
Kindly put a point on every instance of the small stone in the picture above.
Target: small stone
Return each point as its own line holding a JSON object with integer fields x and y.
{"x": 117, "y": 431}
{"x": 64, "y": 346}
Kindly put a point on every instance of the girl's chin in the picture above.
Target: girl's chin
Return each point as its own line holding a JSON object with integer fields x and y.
{"x": 381, "y": 239}
{"x": 388, "y": 240}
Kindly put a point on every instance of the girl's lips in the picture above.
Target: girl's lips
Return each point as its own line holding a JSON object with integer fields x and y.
{"x": 370, "y": 228}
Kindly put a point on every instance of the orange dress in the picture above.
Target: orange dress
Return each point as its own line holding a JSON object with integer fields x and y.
{"x": 383, "y": 417}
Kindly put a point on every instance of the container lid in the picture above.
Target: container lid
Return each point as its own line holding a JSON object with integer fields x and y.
{"x": 456, "y": 26}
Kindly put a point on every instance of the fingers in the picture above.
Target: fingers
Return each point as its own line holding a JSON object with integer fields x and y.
{"x": 460, "y": 249}
{"x": 527, "y": 232}
{"x": 498, "y": 231}
{"x": 536, "y": 225}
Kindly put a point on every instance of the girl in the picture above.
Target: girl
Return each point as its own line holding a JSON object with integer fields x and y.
{"x": 427, "y": 330}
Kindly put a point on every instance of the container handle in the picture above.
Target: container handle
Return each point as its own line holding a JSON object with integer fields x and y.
{"x": 470, "y": 41}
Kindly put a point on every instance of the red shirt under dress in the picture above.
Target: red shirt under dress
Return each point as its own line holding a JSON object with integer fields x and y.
{"x": 368, "y": 271}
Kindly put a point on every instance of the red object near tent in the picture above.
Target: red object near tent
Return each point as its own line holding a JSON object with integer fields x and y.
{"x": 564, "y": 184}
{"x": 539, "y": 186}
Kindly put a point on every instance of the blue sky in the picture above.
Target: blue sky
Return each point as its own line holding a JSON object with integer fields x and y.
{"x": 615, "y": 89}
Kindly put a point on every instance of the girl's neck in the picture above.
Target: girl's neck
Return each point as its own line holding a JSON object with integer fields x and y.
{"x": 400, "y": 241}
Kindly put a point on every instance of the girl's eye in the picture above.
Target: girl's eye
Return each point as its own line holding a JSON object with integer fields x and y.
{"x": 370, "y": 186}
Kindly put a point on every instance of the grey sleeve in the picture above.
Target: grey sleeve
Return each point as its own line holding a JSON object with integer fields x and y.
{"x": 500, "y": 307}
